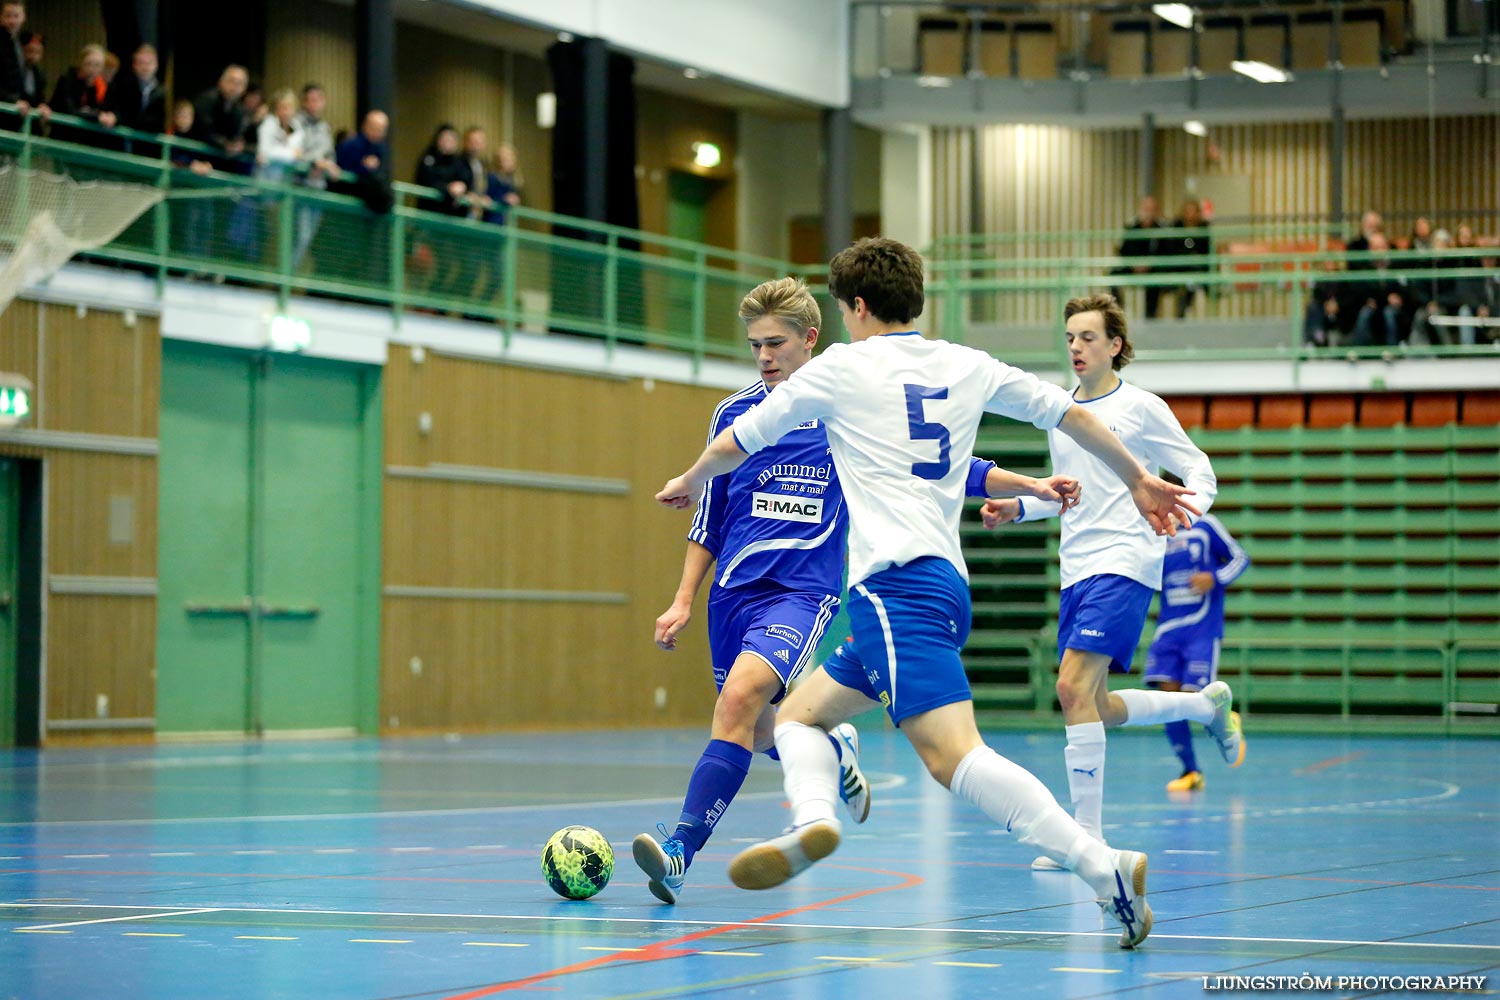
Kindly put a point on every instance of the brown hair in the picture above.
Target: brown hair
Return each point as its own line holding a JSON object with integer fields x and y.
{"x": 788, "y": 300}
{"x": 1114, "y": 322}
{"x": 886, "y": 273}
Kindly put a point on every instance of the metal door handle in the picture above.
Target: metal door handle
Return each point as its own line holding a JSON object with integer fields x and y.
{"x": 210, "y": 610}
{"x": 265, "y": 610}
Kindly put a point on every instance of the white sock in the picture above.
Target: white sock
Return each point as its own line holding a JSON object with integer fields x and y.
{"x": 810, "y": 771}
{"x": 1008, "y": 793}
{"x": 1085, "y": 758}
{"x": 1150, "y": 708}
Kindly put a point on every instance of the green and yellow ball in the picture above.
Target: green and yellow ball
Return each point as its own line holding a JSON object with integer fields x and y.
{"x": 577, "y": 862}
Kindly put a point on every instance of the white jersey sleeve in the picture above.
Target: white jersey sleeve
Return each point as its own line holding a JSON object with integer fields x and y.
{"x": 1169, "y": 447}
{"x": 807, "y": 395}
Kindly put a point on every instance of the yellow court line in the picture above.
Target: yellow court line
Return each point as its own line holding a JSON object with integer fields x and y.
{"x": 590, "y": 947}
{"x": 494, "y": 944}
{"x": 376, "y": 941}
{"x": 146, "y": 934}
{"x": 33, "y": 930}
{"x": 846, "y": 958}
{"x": 261, "y": 937}
{"x": 734, "y": 954}
{"x": 971, "y": 965}
{"x": 1102, "y": 972}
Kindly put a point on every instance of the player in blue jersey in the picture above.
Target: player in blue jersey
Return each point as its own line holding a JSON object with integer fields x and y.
{"x": 774, "y": 533}
{"x": 1199, "y": 566}
{"x": 901, "y": 413}
{"x": 1111, "y": 562}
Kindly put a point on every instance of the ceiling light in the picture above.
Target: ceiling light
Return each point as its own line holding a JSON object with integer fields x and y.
{"x": 1260, "y": 72}
{"x": 1179, "y": 14}
{"x": 934, "y": 81}
{"x": 565, "y": 37}
{"x": 706, "y": 155}
{"x": 691, "y": 73}
{"x": 1195, "y": 128}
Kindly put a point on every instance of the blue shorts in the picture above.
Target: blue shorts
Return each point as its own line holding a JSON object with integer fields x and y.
{"x": 782, "y": 627}
{"x": 909, "y": 623}
{"x": 1190, "y": 658}
{"x": 1104, "y": 614}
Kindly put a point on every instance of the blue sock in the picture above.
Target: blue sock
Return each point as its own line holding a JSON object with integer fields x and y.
{"x": 771, "y": 753}
{"x": 1181, "y": 738}
{"x": 715, "y": 782}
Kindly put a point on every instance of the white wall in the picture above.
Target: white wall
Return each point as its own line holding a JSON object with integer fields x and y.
{"x": 798, "y": 48}
{"x": 906, "y": 185}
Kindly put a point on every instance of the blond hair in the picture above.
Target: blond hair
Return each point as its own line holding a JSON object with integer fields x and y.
{"x": 788, "y": 300}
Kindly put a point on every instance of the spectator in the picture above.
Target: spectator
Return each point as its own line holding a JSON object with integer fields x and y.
{"x": 1473, "y": 296}
{"x": 192, "y": 219}
{"x": 219, "y": 117}
{"x": 1437, "y": 295}
{"x": 137, "y": 98}
{"x": 12, "y": 60}
{"x": 80, "y": 92}
{"x": 318, "y": 154}
{"x": 111, "y": 68}
{"x": 33, "y": 77}
{"x": 1421, "y": 234}
{"x": 442, "y": 169}
{"x": 365, "y": 172}
{"x": 279, "y": 145}
{"x": 1369, "y": 225}
{"x": 254, "y": 105}
{"x": 1185, "y": 245}
{"x": 502, "y": 192}
{"x": 1320, "y": 326}
{"x": 1137, "y": 244}
{"x": 1383, "y": 301}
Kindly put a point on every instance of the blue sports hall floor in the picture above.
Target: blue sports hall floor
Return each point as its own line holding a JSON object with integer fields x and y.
{"x": 409, "y": 868}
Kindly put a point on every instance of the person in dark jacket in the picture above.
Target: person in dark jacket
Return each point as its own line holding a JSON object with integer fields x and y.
{"x": 1140, "y": 242}
{"x": 80, "y": 92}
{"x": 33, "y": 77}
{"x": 360, "y": 248}
{"x": 139, "y": 101}
{"x": 1187, "y": 244}
{"x": 219, "y": 117}
{"x": 442, "y": 169}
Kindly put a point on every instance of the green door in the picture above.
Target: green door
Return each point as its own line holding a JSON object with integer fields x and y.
{"x": 268, "y": 522}
{"x": 10, "y": 544}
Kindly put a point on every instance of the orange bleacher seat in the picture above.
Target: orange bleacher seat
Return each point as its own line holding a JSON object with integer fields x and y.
{"x": 1189, "y": 410}
{"x": 1434, "y": 409}
{"x": 1481, "y": 408}
{"x": 1280, "y": 411}
{"x": 1229, "y": 412}
{"x": 1330, "y": 411}
{"x": 1382, "y": 410}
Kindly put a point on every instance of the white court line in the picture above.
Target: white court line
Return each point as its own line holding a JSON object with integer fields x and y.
{"x": 113, "y": 920}
{"x": 885, "y": 781}
{"x": 749, "y": 925}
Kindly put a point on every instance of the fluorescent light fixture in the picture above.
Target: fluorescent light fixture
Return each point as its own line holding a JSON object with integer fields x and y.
{"x": 934, "y": 81}
{"x": 1195, "y": 128}
{"x": 706, "y": 155}
{"x": 289, "y": 334}
{"x": 546, "y": 110}
{"x": 691, "y": 74}
{"x": 565, "y": 37}
{"x": 1259, "y": 72}
{"x": 1179, "y": 14}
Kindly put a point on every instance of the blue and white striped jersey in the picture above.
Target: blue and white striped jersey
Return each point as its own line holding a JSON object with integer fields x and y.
{"x": 780, "y": 516}
{"x": 1205, "y": 548}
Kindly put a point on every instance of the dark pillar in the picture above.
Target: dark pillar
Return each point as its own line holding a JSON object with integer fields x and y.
{"x": 375, "y": 57}
{"x": 1148, "y": 155}
{"x": 838, "y": 181}
{"x": 1337, "y": 135}
{"x": 127, "y": 24}
{"x": 596, "y": 115}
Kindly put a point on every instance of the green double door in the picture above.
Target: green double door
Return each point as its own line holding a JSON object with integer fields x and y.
{"x": 268, "y": 573}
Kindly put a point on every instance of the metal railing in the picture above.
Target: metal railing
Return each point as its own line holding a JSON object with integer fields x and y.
{"x": 536, "y": 271}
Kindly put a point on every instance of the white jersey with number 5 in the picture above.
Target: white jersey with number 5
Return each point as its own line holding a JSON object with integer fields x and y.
{"x": 901, "y": 414}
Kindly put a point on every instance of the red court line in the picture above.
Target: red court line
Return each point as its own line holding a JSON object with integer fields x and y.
{"x": 671, "y": 948}
{"x": 1324, "y": 765}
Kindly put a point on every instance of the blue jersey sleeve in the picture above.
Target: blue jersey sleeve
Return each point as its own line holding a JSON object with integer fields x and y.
{"x": 979, "y": 471}
{"x": 1228, "y": 557}
{"x": 708, "y": 520}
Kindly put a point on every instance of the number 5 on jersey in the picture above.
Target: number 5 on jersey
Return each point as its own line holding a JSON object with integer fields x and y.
{"x": 923, "y": 429}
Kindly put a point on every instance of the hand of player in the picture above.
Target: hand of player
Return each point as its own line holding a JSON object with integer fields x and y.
{"x": 670, "y": 622}
{"x": 678, "y": 493}
{"x": 1000, "y": 511}
{"x": 1161, "y": 503}
{"x": 1202, "y": 583}
{"x": 1060, "y": 489}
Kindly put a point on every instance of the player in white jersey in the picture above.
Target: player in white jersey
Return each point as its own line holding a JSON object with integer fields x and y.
{"x": 901, "y": 414}
{"x": 1111, "y": 562}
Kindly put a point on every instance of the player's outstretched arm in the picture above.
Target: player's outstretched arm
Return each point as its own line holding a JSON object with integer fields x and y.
{"x": 999, "y": 482}
{"x": 722, "y": 455}
{"x": 695, "y": 567}
{"x": 1160, "y": 502}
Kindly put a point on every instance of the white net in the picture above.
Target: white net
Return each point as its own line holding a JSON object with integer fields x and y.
{"x": 47, "y": 218}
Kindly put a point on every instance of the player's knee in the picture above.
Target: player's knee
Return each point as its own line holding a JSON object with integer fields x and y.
{"x": 739, "y": 706}
{"x": 1072, "y": 692}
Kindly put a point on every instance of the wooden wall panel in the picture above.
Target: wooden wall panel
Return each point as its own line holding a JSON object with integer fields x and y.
{"x": 101, "y": 372}
{"x": 505, "y": 663}
{"x": 81, "y": 488}
{"x": 313, "y": 42}
{"x": 1406, "y": 166}
{"x": 18, "y": 338}
{"x": 444, "y": 79}
{"x": 66, "y": 27}
{"x": 666, "y": 128}
{"x": 100, "y": 645}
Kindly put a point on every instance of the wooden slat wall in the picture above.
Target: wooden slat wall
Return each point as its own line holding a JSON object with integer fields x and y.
{"x": 666, "y": 128}
{"x": 444, "y": 79}
{"x": 312, "y": 42}
{"x": 95, "y": 373}
{"x": 1389, "y": 169}
{"x": 66, "y": 27}
{"x": 506, "y": 663}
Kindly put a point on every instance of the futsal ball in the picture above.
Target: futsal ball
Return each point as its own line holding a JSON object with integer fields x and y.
{"x": 577, "y": 862}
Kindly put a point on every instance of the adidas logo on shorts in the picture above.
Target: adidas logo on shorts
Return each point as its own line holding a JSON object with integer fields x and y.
{"x": 784, "y": 656}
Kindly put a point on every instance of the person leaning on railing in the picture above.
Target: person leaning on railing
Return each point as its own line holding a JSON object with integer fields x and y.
{"x": 1139, "y": 242}
{"x": 139, "y": 101}
{"x": 80, "y": 92}
{"x": 33, "y": 77}
{"x": 1186, "y": 244}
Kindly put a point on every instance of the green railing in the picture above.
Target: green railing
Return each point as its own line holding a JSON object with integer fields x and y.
{"x": 537, "y": 272}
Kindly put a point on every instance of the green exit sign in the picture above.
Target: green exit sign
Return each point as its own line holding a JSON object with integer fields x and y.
{"x": 15, "y": 399}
